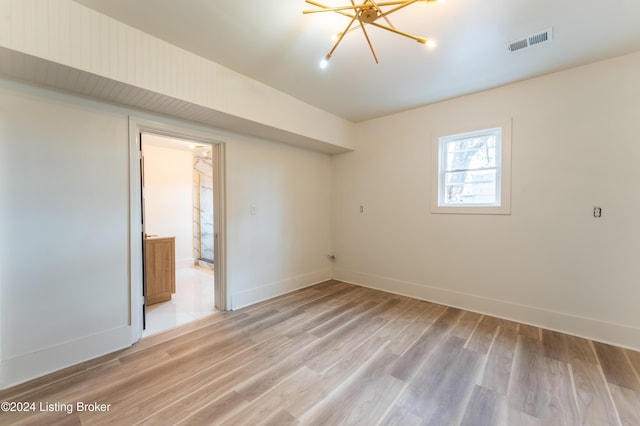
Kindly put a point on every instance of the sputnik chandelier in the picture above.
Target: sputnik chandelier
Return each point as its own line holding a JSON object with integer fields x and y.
{"x": 369, "y": 12}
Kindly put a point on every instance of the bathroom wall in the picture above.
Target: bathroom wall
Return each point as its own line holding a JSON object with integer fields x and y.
{"x": 167, "y": 195}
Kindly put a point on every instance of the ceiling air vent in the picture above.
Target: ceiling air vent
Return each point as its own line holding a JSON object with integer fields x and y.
{"x": 531, "y": 40}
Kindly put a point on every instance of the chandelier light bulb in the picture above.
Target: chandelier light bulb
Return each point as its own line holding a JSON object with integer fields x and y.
{"x": 324, "y": 63}
{"x": 431, "y": 44}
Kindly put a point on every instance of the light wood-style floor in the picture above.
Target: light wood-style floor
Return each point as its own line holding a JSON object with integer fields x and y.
{"x": 336, "y": 354}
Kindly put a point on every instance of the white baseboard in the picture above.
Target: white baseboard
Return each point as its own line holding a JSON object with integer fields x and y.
{"x": 271, "y": 290}
{"x": 594, "y": 329}
{"x": 29, "y": 366}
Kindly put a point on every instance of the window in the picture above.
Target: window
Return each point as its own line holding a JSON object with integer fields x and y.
{"x": 473, "y": 172}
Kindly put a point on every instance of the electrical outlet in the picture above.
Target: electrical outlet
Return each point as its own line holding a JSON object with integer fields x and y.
{"x": 361, "y": 209}
{"x": 597, "y": 212}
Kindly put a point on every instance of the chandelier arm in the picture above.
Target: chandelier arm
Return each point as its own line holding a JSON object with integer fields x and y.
{"x": 363, "y": 13}
{"x": 343, "y": 13}
{"x": 335, "y": 46}
{"x": 325, "y": 8}
{"x": 377, "y": 6}
{"x": 366, "y": 35}
{"x": 401, "y": 6}
{"x": 393, "y": 30}
{"x": 402, "y": 33}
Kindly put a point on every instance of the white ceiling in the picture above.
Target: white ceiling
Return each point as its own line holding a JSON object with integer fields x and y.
{"x": 273, "y": 42}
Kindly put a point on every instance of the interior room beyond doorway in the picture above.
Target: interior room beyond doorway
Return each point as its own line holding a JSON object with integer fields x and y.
{"x": 178, "y": 205}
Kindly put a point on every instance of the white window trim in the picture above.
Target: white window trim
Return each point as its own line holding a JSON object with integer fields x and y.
{"x": 504, "y": 168}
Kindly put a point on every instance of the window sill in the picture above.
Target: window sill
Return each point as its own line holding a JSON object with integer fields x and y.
{"x": 501, "y": 210}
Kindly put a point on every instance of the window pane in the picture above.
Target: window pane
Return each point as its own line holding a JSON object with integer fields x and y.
{"x": 471, "y": 187}
{"x": 473, "y": 172}
{"x": 470, "y": 154}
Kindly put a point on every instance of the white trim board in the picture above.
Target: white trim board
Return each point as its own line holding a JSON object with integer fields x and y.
{"x": 278, "y": 288}
{"x": 23, "y": 368}
{"x": 589, "y": 328}
{"x": 136, "y": 127}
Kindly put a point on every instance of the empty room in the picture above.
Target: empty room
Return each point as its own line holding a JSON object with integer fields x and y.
{"x": 412, "y": 212}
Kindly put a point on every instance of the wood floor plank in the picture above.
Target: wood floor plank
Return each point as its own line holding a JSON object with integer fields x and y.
{"x": 335, "y": 353}
{"x": 499, "y": 361}
{"x": 328, "y": 299}
{"x": 333, "y": 323}
{"x": 417, "y": 354}
{"x": 366, "y": 396}
{"x": 541, "y": 387}
{"x": 555, "y": 345}
{"x": 616, "y": 366}
{"x": 400, "y": 416}
{"x": 580, "y": 349}
{"x": 529, "y": 331}
{"x": 295, "y": 324}
{"x": 594, "y": 405}
{"x": 559, "y": 403}
{"x": 504, "y": 323}
{"x": 279, "y": 418}
{"x": 486, "y": 408}
{"x": 350, "y": 336}
{"x": 627, "y": 403}
{"x": 490, "y": 408}
{"x": 211, "y": 380}
{"x": 416, "y": 328}
{"x": 339, "y": 373}
{"x": 634, "y": 359}
{"x": 276, "y": 397}
{"x": 525, "y": 389}
{"x": 41, "y": 418}
{"x": 563, "y": 347}
{"x": 440, "y": 391}
{"x": 214, "y": 412}
{"x": 466, "y": 325}
{"x": 515, "y": 417}
{"x": 197, "y": 392}
{"x": 482, "y": 336}
{"x": 129, "y": 404}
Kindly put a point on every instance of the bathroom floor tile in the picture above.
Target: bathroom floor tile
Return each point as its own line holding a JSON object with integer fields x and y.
{"x": 193, "y": 299}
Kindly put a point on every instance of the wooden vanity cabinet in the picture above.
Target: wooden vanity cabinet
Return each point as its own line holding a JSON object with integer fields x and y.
{"x": 160, "y": 269}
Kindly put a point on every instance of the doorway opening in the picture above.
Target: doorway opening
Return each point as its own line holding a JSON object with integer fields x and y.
{"x": 177, "y": 239}
{"x": 178, "y": 197}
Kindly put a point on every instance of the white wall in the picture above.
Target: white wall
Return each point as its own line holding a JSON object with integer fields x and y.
{"x": 168, "y": 196}
{"x": 286, "y": 243}
{"x": 64, "y": 225}
{"x": 575, "y": 146}
{"x": 63, "y": 218}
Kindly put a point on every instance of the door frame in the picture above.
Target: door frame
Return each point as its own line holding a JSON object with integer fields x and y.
{"x": 136, "y": 301}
